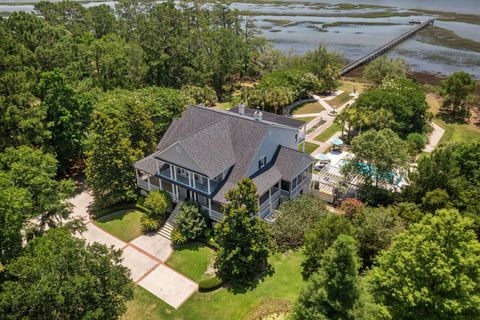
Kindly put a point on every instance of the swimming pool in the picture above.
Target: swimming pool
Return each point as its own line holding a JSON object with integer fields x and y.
{"x": 369, "y": 170}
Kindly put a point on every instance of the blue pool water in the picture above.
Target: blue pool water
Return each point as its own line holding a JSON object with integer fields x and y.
{"x": 370, "y": 170}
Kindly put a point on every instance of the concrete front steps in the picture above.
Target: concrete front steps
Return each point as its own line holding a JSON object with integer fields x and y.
{"x": 169, "y": 225}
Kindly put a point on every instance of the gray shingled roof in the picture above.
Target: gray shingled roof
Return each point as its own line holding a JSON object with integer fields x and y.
{"x": 218, "y": 140}
{"x": 290, "y": 162}
{"x": 272, "y": 117}
{"x": 266, "y": 180}
{"x": 147, "y": 164}
{"x": 212, "y": 155}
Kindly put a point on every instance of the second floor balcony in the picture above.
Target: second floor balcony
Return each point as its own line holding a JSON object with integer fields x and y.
{"x": 187, "y": 178}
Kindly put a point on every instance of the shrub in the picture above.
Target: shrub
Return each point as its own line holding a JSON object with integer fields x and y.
{"x": 416, "y": 140}
{"x": 191, "y": 222}
{"x": 297, "y": 216}
{"x": 178, "y": 238}
{"x": 158, "y": 202}
{"x": 351, "y": 207}
{"x": 141, "y": 200}
{"x": 209, "y": 284}
{"x": 150, "y": 224}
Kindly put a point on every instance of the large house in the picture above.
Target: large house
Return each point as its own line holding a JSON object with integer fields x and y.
{"x": 206, "y": 152}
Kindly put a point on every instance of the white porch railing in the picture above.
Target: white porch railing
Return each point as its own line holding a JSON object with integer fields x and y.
{"x": 143, "y": 184}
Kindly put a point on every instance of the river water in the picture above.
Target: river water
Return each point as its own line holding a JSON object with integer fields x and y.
{"x": 295, "y": 28}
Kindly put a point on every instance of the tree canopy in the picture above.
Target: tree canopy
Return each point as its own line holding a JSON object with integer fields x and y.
{"x": 35, "y": 172}
{"x": 335, "y": 290}
{"x": 384, "y": 69}
{"x": 379, "y": 157}
{"x": 320, "y": 238}
{"x": 431, "y": 271}
{"x": 297, "y": 216}
{"x": 241, "y": 258}
{"x": 453, "y": 168}
{"x": 456, "y": 91}
{"x": 396, "y": 104}
{"x": 58, "y": 276}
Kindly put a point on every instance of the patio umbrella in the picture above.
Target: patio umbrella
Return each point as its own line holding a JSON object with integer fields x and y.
{"x": 322, "y": 157}
{"x": 336, "y": 142}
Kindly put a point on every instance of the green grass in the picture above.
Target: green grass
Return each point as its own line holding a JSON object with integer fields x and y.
{"x": 309, "y": 147}
{"x": 191, "y": 260}
{"x": 339, "y": 100}
{"x": 446, "y": 38}
{"x": 458, "y": 132}
{"x": 308, "y": 107}
{"x": 123, "y": 224}
{"x": 349, "y": 86}
{"x": 275, "y": 290}
{"x": 306, "y": 119}
{"x": 330, "y": 131}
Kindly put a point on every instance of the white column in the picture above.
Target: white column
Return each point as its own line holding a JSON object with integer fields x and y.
{"x": 209, "y": 206}
{"x": 148, "y": 180}
{"x": 158, "y": 168}
{"x": 208, "y": 181}
{"x": 160, "y": 183}
{"x": 175, "y": 173}
{"x": 270, "y": 198}
{"x": 193, "y": 178}
{"x": 136, "y": 175}
{"x": 171, "y": 171}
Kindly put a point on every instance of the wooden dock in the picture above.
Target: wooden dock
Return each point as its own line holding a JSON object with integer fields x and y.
{"x": 378, "y": 52}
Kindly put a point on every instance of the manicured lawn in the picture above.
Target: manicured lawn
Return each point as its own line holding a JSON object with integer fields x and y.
{"x": 348, "y": 86}
{"x": 309, "y": 147}
{"x": 306, "y": 119}
{"x": 458, "y": 132}
{"x": 330, "y": 131}
{"x": 340, "y": 100}
{"x": 123, "y": 224}
{"x": 274, "y": 291}
{"x": 309, "y": 107}
{"x": 191, "y": 260}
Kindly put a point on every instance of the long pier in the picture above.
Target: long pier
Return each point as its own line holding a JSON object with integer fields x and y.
{"x": 378, "y": 52}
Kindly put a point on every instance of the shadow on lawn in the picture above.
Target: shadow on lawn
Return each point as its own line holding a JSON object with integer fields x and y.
{"x": 242, "y": 286}
{"x": 119, "y": 215}
{"x": 451, "y": 118}
{"x": 194, "y": 246}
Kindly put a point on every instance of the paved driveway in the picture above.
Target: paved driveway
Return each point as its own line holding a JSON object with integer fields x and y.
{"x": 143, "y": 256}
